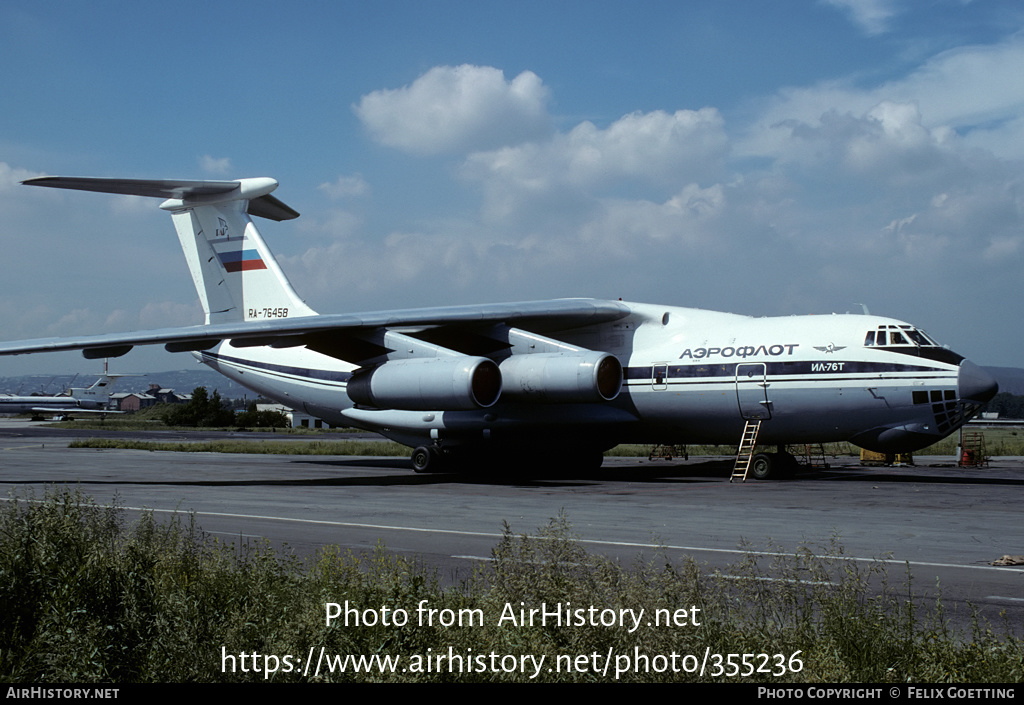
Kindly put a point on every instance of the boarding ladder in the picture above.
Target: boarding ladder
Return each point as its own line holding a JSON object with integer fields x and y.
{"x": 812, "y": 455}
{"x": 668, "y": 452}
{"x": 973, "y": 452}
{"x": 746, "y": 451}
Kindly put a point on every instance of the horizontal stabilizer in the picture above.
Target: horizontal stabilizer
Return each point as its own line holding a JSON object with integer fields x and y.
{"x": 265, "y": 206}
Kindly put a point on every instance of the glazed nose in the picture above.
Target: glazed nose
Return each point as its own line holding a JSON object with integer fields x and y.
{"x": 975, "y": 384}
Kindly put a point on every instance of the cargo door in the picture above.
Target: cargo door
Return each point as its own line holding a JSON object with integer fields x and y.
{"x": 752, "y": 391}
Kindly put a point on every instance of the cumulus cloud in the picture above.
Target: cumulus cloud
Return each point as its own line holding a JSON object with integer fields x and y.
{"x": 213, "y": 165}
{"x": 919, "y": 170}
{"x": 872, "y": 16}
{"x": 457, "y": 109}
{"x": 850, "y": 187}
{"x": 974, "y": 91}
{"x": 354, "y": 186}
{"x": 158, "y": 314}
{"x": 151, "y": 315}
{"x": 885, "y": 184}
{"x": 888, "y": 143}
{"x": 132, "y": 205}
{"x": 386, "y": 267}
{"x": 15, "y": 199}
{"x": 655, "y": 146}
{"x": 659, "y": 151}
{"x": 76, "y": 320}
{"x": 634, "y": 229}
{"x": 11, "y": 177}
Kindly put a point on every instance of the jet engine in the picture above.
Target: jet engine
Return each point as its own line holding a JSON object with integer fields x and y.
{"x": 562, "y": 378}
{"x": 440, "y": 383}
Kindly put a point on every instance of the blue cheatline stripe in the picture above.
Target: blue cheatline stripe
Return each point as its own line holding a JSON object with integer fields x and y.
{"x": 722, "y": 372}
{"x": 802, "y": 367}
{"x": 306, "y": 372}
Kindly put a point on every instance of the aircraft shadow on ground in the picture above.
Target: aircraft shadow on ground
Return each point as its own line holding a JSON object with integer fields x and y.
{"x": 913, "y": 475}
{"x": 396, "y": 472}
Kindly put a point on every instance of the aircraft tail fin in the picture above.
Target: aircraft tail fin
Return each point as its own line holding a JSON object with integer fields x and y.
{"x": 99, "y": 391}
{"x": 234, "y": 272}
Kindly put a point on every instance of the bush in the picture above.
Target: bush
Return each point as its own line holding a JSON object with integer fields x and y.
{"x": 251, "y": 418}
{"x": 202, "y": 410}
{"x": 84, "y": 598}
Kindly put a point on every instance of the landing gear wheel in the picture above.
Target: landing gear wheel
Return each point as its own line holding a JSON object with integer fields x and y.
{"x": 426, "y": 459}
{"x": 763, "y": 466}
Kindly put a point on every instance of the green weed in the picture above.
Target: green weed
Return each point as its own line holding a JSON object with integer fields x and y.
{"x": 86, "y": 597}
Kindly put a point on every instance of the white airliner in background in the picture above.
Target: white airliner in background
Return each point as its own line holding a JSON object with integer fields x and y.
{"x": 78, "y": 400}
{"x": 569, "y": 378}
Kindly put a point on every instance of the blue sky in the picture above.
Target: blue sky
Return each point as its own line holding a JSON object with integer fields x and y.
{"x": 767, "y": 158}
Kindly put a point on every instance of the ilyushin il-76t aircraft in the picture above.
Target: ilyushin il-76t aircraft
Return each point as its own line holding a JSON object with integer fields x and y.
{"x": 485, "y": 383}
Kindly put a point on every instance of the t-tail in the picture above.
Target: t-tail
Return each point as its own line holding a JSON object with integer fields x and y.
{"x": 235, "y": 274}
{"x": 97, "y": 395}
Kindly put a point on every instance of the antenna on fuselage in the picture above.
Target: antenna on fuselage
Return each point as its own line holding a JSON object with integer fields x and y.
{"x": 865, "y": 307}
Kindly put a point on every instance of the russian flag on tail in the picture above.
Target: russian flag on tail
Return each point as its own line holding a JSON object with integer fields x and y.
{"x": 241, "y": 260}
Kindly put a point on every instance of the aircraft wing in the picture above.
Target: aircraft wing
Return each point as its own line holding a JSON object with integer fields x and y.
{"x": 536, "y": 316}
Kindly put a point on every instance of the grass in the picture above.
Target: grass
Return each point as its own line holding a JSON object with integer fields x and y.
{"x": 87, "y": 597}
{"x": 998, "y": 442}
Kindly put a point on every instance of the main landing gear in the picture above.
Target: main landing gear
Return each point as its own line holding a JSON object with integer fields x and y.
{"x": 773, "y": 466}
{"x": 427, "y": 459}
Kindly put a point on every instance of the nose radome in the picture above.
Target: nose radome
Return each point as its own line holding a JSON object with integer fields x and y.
{"x": 975, "y": 384}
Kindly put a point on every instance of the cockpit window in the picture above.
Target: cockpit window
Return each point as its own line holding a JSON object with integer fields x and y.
{"x": 896, "y": 335}
{"x": 918, "y": 338}
{"x": 908, "y": 340}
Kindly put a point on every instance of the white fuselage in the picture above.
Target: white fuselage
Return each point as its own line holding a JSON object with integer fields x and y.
{"x": 689, "y": 376}
{"x": 78, "y": 399}
{"x": 10, "y": 404}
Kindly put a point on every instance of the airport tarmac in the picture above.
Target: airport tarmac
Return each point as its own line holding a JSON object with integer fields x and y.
{"x": 945, "y": 524}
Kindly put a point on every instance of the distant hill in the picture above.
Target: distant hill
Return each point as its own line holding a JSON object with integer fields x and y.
{"x": 1011, "y": 379}
{"x": 181, "y": 381}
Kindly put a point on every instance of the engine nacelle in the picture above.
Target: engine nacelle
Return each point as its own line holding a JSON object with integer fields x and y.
{"x": 561, "y": 378}
{"x": 437, "y": 383}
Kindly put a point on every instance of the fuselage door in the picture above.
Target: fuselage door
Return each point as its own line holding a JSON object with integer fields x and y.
{"x": 752, "y": 391}
{"x": 660, "y": 376}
